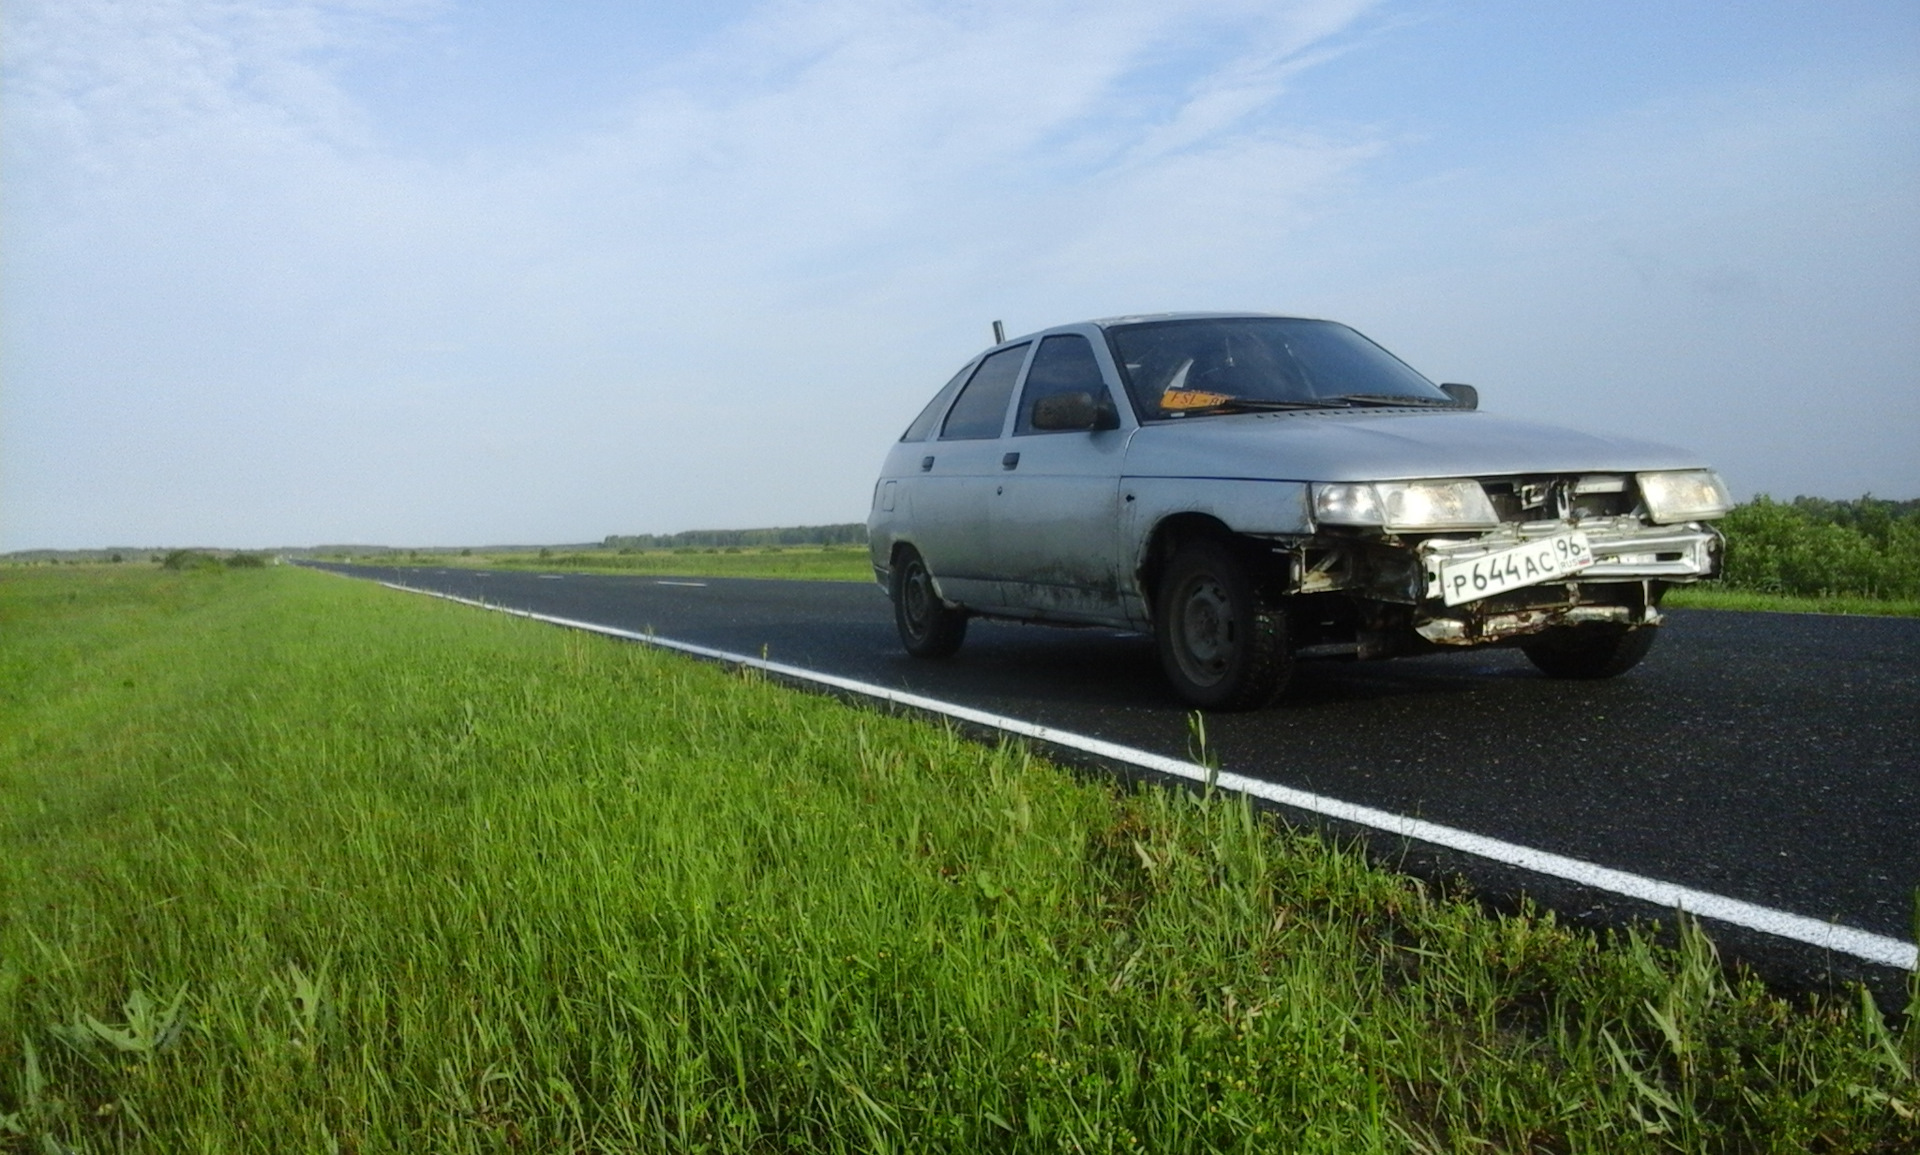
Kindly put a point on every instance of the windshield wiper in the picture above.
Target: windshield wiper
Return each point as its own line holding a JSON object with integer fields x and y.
{"x": 1398, "y": 399}
{"x": 1262, "y": 405}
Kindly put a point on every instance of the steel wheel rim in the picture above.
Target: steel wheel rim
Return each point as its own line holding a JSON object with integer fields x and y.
{"x": 1205, "y": 641}
{"x": 916, "y": 596}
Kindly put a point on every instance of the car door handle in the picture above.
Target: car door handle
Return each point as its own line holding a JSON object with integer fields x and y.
{"x": 1010, "y": 461}
{"x": 926, "y": 463}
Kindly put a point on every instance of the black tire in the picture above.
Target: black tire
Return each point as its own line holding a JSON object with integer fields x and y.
{"x": 1220, "y": 647}
{"x": 1592, "y": 651}
{"x": 929, "y": 628}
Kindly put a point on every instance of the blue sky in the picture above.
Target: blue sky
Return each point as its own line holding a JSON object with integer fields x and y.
{"x": 413, "y": 272}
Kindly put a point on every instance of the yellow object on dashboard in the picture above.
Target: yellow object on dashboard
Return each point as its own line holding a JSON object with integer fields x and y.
{"x": 1191, "y": 399}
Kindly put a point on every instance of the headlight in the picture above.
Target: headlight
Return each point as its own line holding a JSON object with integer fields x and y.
{"x": 1684, "y": 495}
{"x": 1398, "y": 505}
{"x": 1346, "y": 504}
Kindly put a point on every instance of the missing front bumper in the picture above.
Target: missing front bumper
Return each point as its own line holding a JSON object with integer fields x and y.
{"x": 1620, "y": 584}
{"x": 1621, "y": 549}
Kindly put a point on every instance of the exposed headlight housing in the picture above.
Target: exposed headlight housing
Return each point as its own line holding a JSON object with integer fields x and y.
{"x": 1405, "y": 505}
{"x": 1684, "y": 495}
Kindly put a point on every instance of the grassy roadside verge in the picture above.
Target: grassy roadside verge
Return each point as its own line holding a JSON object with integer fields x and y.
{"x": 1716, "y": 596}
{"x": 295, "y": 863}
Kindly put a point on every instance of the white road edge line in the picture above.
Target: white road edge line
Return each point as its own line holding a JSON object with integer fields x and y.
{"x": 1874, "y": 948}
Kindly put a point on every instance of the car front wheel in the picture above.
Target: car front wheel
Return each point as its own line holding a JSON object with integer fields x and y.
{"x": 1589, "y": 651}
{"x": 1220, "y": 647}
{"x": 929, "y": 628}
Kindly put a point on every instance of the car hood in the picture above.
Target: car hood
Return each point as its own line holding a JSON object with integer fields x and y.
{"x": 1382, "y": 445}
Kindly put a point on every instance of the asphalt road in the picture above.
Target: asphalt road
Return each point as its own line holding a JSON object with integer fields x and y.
{"x": 1772, "y": 758}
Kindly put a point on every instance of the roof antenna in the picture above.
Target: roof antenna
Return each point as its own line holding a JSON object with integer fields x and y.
{"x": 999, "y": 333}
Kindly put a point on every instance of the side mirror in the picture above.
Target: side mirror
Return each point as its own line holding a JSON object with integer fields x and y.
{"x": 1073, "y": 412}
{"x": 1465, "y": 396}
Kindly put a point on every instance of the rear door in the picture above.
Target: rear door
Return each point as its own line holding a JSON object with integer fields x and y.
{"x": 958, "y": 471}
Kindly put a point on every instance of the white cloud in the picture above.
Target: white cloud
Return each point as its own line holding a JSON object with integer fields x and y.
{"x": 745, "y": 268}
{"x": 238, "y": 310}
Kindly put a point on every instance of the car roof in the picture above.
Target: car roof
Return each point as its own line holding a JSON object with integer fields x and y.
{"x": 1136, "y": 318}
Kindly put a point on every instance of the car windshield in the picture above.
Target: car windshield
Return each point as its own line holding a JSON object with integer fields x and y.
{"x": 1197, "y": 366}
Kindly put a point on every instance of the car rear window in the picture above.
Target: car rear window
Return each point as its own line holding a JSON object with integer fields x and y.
{"x": 982, "y": 408}
{"x": 930, "y": 416}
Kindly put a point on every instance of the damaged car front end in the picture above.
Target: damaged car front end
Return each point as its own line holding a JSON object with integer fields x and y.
{"x": 1557, "y": 564}
{"x": 1253, "y": 490}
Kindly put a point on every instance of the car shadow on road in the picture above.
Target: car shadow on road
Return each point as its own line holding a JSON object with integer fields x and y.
{"x": 1115, "y": 670}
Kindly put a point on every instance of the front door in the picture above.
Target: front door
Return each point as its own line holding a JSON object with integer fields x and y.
{"x": 1055, "y": 502}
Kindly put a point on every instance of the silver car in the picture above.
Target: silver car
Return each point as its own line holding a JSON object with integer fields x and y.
{"x": 1254, "y": 489}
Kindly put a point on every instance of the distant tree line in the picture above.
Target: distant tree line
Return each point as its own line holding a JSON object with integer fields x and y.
{"x": 848, "y": 533}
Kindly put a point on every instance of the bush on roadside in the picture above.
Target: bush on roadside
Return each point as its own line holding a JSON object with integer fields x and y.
{"x": 189, "y": 559}
{"x": 1813, "y": 547}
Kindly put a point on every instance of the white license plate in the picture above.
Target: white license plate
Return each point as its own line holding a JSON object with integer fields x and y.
{"x": 1469, "y": 579}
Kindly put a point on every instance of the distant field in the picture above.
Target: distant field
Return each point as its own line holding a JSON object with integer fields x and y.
{"x": 1809, "y": 555}
{"x": 844, "y": 563}
{"x": 289, "y": 862}
{"x": 815, "y": 563}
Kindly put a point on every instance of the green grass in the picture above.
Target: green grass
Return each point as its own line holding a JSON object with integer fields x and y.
{"x": 1717, "y": 596}
{"x": 294, "y": 863}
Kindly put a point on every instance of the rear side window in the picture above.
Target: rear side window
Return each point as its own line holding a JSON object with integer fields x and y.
{"x": 982, "y": 407}
{"x": 1064, "y": 364}
{"x": 923, "y": 424}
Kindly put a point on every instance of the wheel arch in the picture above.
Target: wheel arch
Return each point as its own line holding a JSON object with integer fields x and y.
{"x": 903, "y": 546}
{"x": 929, "y": 625}
{"x": 1165, "y": 541}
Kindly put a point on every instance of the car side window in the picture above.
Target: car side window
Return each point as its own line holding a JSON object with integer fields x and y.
{"x": 1064, "y": 364}
{"x": 982, "y": 406}
{"x": 923, "y": 424}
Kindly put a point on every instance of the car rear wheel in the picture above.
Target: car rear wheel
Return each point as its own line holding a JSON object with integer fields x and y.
{"x": 929, "y": 628}
{"x": 1220, "y": 647}
{"x": 1589, "y": 651}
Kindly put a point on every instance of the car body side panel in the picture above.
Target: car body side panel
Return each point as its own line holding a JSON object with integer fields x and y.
{"x": 1055, "y": 526}
{"x": 1257, "y": 508}
{"x": 950, "y": 505}
{"x": 891, "y": 523}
